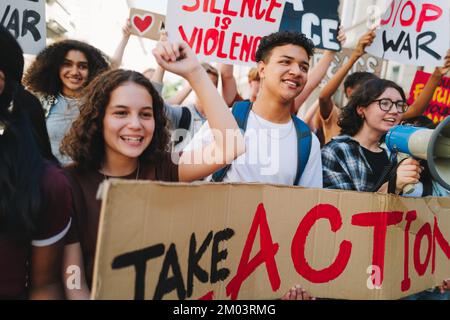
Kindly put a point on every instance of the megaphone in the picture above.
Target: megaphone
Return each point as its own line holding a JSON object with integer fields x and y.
{"x": 432, "y": 145}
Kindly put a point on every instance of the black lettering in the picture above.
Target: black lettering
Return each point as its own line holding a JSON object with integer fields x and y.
{"x": 390, "y": 44}
{"x": 407, "y": 46}
{"x": 424, "y": 46}
{"x": 166, "y": 284}
{"x": 30, "y": 19}
{"x": 217, "y": 256}
{"x": 14, "y": 23}
{"x": 139, "y": 259}
{"x": 194, "y": 257}
{"x": 5, "y": 14}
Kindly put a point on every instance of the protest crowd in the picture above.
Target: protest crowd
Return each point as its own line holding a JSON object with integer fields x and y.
{"x": 74, "y": 119}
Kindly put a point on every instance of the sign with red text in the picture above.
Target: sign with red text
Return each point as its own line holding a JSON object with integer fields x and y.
{"x": 238, "y": 241}
{"x": 146, "y": 24}
{"x": 439, "y": 107}
{"x": 223, "y": 31}
{"x": 414, "y": 32}
{"x": 25, "y": 19}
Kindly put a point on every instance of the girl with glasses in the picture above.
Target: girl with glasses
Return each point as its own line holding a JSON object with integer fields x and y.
{"x": 357, "y": 159}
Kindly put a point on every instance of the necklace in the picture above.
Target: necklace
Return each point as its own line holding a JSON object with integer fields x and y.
{"x": 278, "y": 130}
{"x": 101, "y": 186}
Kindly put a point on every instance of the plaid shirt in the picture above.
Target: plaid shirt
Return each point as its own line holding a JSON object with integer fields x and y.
{"x": 345, "y": 166}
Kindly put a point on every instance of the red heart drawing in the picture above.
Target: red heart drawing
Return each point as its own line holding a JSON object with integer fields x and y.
{"x": 143, "y": 23}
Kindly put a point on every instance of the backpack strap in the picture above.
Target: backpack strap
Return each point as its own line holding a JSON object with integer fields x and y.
{"x": 185, "y": 122}
{"x": 240, "y": 111}
{"x": 304, "y": 141}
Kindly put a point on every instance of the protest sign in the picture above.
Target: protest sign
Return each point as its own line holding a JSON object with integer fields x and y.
{"x": 439, "y": 107}
{"x": 250, "y": 241}
{"x": 25, "y": 19}
{"x": 318, "y": 20}
{"x": 146, "y": 24}
{"x": 414, "y": 32}
{"x": 367, "y": 63}
{"x": 223, "y": 30}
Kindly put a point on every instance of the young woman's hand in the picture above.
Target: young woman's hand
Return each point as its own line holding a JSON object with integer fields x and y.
{"x": 408, "y": 172}
{"x": 177, "y": 58}
{"x": 297, "y": 293}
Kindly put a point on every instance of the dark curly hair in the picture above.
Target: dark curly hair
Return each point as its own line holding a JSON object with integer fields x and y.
{"x": 281, "y": 38}
{"x": 43, "y": 75}
{"x": 349, "y": 120}
{"x": 85, "y": 142}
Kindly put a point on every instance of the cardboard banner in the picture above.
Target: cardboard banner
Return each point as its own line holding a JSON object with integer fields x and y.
{"x": 239, "y": 241}
{"x": 223, "y": 30}
{"x": 146, "y": 24}
{"x": 317, "y": 19}
{"x": 367, "y": 63}
{"x": 439, "y": 106}
{"x": 414, "y": 32}
{"x": 25, "y": 19}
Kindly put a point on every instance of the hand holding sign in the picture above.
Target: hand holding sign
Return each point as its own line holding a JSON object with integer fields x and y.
{"x": 446, "y": 67}
{"x": 363, "y": 42}
{"x": 176, "y": 57}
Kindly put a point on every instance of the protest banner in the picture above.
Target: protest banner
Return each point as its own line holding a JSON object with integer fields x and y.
{"x": 318, "y": 20}
{"x": 251, "y": 241}
{"x": 367, "y": 63}
{"x": 439, "y": 107}
{"x": 223, "y": 30}
{"x": 146, "y": 24}
{"x": 25, "y": 19}
{"x": 414, "y": 32}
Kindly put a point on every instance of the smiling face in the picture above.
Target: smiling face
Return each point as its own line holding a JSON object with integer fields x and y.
{"x": 128, "y": 124}
{"x": 285, "y": 73}
{"x": 379, "y": 120}
{"x": 74, "y": 73}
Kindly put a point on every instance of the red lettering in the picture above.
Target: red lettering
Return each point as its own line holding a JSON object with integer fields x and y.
{"x": 191, "y": 41}
{"x": 380, "y": 221}
{"x": 250, "y": 4}
{"x": 246, "y": 48}
{"x": 406, "y": 282}
{"x": 384, "y": 22}
{"x": 266, "y": 255}
{"x": 259, "y": 13}
{"x": 443, "y": 243}
{"x": 427, "y": 18}
{"x": 396, "y": 12}
{"x": 321, "y": 211}
{"x": 208, "y": 296}
{"x": 255, "y": 47}
{"x": 273, "y": 5}
{"x": 234, "y": 44}
{"x": 211, "y": 34}
{"x": 220, "y": 52}
{"x": 227, "y": 11}
{"x": 213, "y": 8}
{"x": 406, "y": 23}
{"x": 193, "y": 7}
{"x": 422, "y": 267}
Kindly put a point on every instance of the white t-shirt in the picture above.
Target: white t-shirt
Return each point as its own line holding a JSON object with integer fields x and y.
{"x": 271, "y": 154}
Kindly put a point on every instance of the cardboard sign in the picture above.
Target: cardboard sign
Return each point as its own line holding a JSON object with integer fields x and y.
{"x": 250, "y": 241}
{"x": 223, "y": 31}
{"x": 146, "y": 24}
{"x": 318, "y": 20}
{"x": 367, "y": 63}
{"x": 439, "y": 106}
{"x": 414, "y": 32}
{"x": 25, "y": 19}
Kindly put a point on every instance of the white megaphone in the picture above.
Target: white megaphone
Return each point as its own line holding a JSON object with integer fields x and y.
{"x": 427, "y": 144}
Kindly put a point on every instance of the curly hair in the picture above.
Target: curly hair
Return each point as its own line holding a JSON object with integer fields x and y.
{"x": 281, "y": 38}
{"x": 349, "y": 120}
{"x": 43, "y": 75}
{"x": 85, "y": 142}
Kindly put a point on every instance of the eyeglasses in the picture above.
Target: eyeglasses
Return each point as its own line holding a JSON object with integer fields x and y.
{"x": 386, "y": 105}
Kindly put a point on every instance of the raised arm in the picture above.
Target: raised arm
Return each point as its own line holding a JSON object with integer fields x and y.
{"x": 228, "y": 141}
{"x": 422, "y": 101}
{"x": 229, "y": 86}
{"x": 317, "y": 73}
{"x": 325, "y": 101}
{"x": 116, "y": 59}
